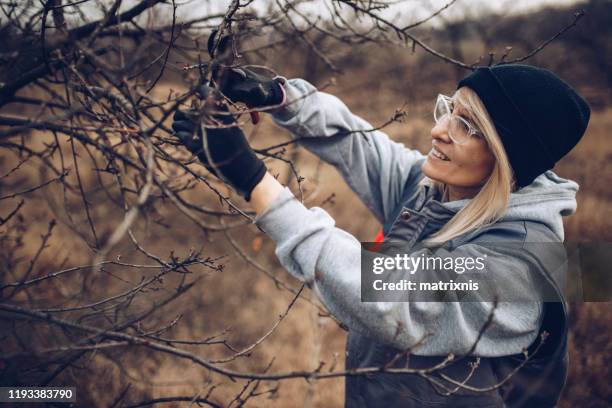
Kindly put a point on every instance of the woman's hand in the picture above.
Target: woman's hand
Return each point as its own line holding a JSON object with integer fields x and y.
{"x": 250, "y": 88}
{"x": 241, "y": 84}
{"x": 220, "y": 144}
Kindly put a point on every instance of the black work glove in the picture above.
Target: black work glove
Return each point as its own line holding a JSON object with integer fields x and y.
{"x": 233, "y": 160}
{"x": 241, "y": 84}
{"x": 250, "y": 88}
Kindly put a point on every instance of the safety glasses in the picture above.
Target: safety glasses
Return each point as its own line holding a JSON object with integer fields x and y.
{"x": 459, "y": 129}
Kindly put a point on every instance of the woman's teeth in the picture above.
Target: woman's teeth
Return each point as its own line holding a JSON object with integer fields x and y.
{"x": 439, "y": 154}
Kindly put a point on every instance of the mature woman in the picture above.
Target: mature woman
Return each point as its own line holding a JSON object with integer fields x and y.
{"x": 486, "y": 179}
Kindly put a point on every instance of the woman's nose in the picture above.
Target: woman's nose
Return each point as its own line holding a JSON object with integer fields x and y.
{"x": 440, "y": 131}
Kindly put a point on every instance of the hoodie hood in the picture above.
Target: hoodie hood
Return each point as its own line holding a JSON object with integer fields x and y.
{"x": 546, "y": 200}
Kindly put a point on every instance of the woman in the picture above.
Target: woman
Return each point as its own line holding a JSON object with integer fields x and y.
{"x": 486, "y": 180}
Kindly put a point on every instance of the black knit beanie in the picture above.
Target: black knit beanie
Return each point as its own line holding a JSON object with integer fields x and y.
{"x": 539, "y": 117}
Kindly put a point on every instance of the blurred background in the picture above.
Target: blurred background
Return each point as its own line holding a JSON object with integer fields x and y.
{"x": 85, "y": 144}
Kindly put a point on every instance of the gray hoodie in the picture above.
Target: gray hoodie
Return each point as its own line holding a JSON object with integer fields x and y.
{"x": 382, "y": 172}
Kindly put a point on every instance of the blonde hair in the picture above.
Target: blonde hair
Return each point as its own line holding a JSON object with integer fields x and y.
{"x": 490, "y": 204}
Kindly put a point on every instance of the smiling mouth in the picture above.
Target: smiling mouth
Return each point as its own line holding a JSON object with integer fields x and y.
{"x": 438, "y": 154}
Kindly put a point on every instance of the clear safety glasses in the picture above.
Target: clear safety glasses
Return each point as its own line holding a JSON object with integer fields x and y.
{"x": 459, "y": 129}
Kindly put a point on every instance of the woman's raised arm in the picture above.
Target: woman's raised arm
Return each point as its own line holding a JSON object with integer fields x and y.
{"x": 375, "y": 167}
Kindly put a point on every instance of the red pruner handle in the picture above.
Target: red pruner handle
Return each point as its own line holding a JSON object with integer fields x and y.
{"x": 254, "y": 117}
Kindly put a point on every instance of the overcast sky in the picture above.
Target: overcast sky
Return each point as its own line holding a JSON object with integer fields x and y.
{"x": 404, "y": 12}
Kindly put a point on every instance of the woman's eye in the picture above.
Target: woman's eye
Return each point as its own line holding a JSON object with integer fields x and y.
{"x": 478, "y": 134}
